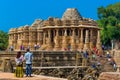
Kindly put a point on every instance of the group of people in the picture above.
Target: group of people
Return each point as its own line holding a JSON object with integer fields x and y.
{"x": 36, "y": 47}
{"x": 111, "y": 60}
{"x": 27, "y": 57}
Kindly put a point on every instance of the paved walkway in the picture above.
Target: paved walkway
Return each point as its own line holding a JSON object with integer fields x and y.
{"x": 10, "y": 76}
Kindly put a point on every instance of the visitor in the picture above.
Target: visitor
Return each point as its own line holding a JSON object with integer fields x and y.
{"x": 114, "y": 66}
{"x": 98, "y": 63}
{"x": 94, "y": 65}
{"x": 95, "y": 49}
{"x": 103, "y": 48}
{"x": 35, "y": 47}
{"x": 19, "y": 65}
{"x": 28, "y": 47}
{"x": 11, "y": 48}
{"x": 69, "y": 47}
{"x": 65, "y": 49}
{"x": 108, "y": 54}
{"x": 28, "y": 58}
{"x": 38, "y": 46}
{"x": 85, "y": 54}
{"x": 93, "y": 56}
{"x": 21, "y": 47}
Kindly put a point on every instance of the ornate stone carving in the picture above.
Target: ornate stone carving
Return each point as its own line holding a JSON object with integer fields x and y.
{"x": 58, "y": 34}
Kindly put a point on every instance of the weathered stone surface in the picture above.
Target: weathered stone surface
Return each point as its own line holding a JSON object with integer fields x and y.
{"x": 109, "y": 76}
{"x": 71, "y": 13}
{"x": 72, "y": 32}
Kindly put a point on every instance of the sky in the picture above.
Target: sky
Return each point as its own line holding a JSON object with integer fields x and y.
{"x": 16, "y": 13}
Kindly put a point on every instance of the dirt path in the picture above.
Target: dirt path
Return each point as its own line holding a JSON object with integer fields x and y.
{"x": 10, "y": 76}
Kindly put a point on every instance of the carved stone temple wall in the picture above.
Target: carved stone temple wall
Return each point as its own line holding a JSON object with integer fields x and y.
{"x": 72, "y": 32}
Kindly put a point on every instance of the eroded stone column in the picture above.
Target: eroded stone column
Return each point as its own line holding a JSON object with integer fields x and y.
{"x": 49, "y": 41}
{"x": 64, "y": 41}
{"x": 56, "y": 40}
{"x": 30, "y": 40}
{"x": 98, "y": 45}
{"x": 15, "y": 41}
{"x": 44, "y": 38}
{"x": 91, "y": 39}
{"x": 86, "y": 45}
{"x": 73, "y": 40}
{"x": 41, "y": 38}
{"x": 38, "y": 38}
{"x": 81, "y": 40}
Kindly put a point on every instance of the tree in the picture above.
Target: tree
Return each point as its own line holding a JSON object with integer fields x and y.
{"x": 109, "y": 22}
{"x": 3, "y": 40}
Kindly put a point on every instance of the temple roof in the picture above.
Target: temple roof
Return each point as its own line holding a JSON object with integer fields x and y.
{"x": 71, "y": 14}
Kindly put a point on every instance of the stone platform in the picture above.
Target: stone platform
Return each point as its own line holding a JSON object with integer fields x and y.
{"x": 10, "y": 76}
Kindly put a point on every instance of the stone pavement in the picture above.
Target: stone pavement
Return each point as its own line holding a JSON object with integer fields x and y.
{"x": 10, "y": 76}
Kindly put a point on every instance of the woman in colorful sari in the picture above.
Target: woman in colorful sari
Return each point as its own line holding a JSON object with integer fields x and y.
{"x": 19, "y": 65}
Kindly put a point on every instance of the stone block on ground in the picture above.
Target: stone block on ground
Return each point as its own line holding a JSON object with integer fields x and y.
{"x": 109, "y": 76}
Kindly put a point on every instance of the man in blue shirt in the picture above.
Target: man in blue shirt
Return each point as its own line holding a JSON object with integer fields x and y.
{"x": 28, "y": 58}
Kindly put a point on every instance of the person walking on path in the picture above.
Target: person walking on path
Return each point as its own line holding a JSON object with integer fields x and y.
{"x": 19, "y": 65}
{"x": 28, "y": 58}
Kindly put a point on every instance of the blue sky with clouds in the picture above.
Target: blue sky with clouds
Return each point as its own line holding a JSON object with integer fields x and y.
{"x": 15, "y": 13}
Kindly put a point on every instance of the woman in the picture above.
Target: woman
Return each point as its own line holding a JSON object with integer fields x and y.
{"x": 19, "y": 65}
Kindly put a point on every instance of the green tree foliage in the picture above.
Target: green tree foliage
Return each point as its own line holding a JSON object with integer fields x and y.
{"x": 3, "y": 40}
{"x": 109, "y": 21}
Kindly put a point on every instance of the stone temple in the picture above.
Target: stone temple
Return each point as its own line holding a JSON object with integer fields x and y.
{"x": 71, "y": 31}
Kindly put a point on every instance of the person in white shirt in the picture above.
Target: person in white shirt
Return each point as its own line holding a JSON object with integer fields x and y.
{"x": 28, "y": 58}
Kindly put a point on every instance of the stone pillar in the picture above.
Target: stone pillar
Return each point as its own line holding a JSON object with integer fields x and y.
{"x": 91, "y": 39}
{"x": 24, "y": 39}
{"x": 30, "y": 40}
{"x": 17, "y": 47}
{"x": 81, "y": 40}
{"x": 41, "y": 38}
{"x": 44, "y": 38}
{"x": 56, "y": 40}
{"x": 38, "y": 37}
{"x": 73, "y": 45}
{"x": 98, "y": 44}
{"x": 16, "y": 38}
{"x": 19, "y": 42}
{"x": 64, "y": 41}
{"x": 49, "y": 43}
{"x": 86, "y": 45}
{"x": 27, "y": 39}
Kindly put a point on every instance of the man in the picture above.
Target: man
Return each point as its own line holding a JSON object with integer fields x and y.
{"x": 28, "y": 57}
{"x": 11, "y": 48}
